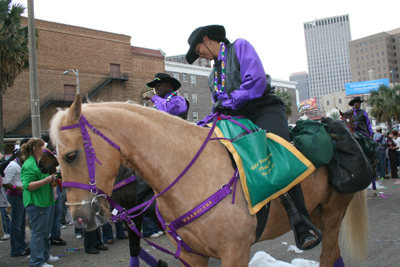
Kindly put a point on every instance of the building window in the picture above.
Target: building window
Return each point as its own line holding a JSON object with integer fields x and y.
{"x": 184, "y": 77}
{"x": 385, "y": 75}
{"x": 193, "y": 80}
{"x": 383, "y": 53}
{"x": 176, "y": 76}
{"x": 327, "y": 103}
{"x": 69, "y": 92}
{"x": 380, "y": 76}
{"x": 185, "y": 95}
{"x": 115, "y": 70}
{"x": 194, "y": 98}
{"x": 340, "y": 101}
{"x": 195, "y": 116}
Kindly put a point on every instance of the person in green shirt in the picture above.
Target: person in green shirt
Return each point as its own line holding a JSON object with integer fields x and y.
{"x": 38, "y": 196}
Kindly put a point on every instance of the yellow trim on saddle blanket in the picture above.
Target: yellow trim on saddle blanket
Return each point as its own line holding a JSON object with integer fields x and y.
{"x": 243, "y": 180}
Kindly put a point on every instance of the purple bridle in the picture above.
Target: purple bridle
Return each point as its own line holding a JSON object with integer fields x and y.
{"x": 120, "y": 213}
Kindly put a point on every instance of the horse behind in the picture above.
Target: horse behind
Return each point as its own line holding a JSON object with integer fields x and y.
{"x": 125, "y": 196}
{"x": 159, "y": 146}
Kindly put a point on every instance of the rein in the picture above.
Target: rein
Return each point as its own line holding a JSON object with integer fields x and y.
{"x": 120, "y": 213}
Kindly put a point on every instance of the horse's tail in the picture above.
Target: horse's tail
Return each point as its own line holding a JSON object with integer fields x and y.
{"x": 355, "y": 227}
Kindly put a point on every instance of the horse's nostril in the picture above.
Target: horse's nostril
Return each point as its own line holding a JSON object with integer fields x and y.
{"x": 80, "y": 220}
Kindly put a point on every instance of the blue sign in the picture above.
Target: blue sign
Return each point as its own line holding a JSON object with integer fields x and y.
{"x": 364, "y": 87}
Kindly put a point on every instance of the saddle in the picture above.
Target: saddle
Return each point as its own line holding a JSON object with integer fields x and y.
{"x": 268, "y": 165}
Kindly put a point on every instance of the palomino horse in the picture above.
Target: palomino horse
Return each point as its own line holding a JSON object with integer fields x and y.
{"x": 124, "y": 195}
{"x": 159, "y": 146}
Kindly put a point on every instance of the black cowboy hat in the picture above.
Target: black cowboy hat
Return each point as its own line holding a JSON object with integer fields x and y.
{"x": 163, "y": 77}
{"x": 354, "y": 100}
{"x": 197, "y": 37}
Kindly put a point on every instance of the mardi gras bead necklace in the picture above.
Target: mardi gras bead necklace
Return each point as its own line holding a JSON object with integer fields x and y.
{"x": 223, "y": 63}
{"x": 174, "y": 93}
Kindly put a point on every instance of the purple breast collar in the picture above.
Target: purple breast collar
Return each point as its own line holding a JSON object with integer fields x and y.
{"x": 120, "y": 213}
{"x": 124, "y": 182}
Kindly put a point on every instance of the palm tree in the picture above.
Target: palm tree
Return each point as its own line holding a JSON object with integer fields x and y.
{"x": 287, "y": 99}
{"x": 385, "y": 103}
{"x": 14, "y": 51}
{"x": 335, "y": 115}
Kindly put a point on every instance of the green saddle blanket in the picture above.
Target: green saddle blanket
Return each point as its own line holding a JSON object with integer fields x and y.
{"x": 268, "y": 165}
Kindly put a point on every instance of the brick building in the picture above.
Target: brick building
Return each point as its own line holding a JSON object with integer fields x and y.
{"x": 110, "y": 69}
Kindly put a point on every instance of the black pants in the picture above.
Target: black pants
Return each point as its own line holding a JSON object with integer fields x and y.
{"x": 272, "y": 118}
{"x": 92, "y": 240}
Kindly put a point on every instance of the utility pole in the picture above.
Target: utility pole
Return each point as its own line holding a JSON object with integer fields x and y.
{"x": 33, "y": 76}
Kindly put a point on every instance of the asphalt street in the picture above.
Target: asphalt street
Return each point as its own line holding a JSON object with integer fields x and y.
{"x": 384, "y": 241}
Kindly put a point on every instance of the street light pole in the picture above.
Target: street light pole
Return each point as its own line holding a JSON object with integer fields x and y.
{"x": 77, "y": 77}
{"x": 77, "y": 81}
{"x": 33, "y": 75}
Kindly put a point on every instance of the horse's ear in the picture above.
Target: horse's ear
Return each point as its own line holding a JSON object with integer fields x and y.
{"x": 74, "y": 112}
{"x": 341, "y": 113}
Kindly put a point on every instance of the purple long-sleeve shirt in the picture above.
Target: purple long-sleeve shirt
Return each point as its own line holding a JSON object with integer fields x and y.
{"x": 254, "y": 80}
{"x": 176, "y": 105}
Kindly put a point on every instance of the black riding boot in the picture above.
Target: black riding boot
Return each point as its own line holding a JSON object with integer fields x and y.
{"x": 300, "y": 219}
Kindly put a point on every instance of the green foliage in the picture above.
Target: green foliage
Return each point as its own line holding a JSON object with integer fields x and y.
{"x": 14, "y": 51}
{"x": 287, "y": 99}
{"x": 335, "y": 115}
{"x": 385, "y": 103}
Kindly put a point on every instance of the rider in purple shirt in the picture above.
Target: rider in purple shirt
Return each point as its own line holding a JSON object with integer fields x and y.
{"x": 239, "y": 86}
{"x": 360, "y": 116}
{"x": 254, "y": 80}
{"x": 166, "y": 98}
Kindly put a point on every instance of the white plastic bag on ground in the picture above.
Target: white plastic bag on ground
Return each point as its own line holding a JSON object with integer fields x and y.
{"x": 262, "y": 259}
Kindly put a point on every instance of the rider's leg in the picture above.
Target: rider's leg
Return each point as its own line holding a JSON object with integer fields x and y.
{"x": 273, "y": 119}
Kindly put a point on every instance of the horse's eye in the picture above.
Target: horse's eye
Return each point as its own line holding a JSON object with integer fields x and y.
{"x": 70, "y": 157}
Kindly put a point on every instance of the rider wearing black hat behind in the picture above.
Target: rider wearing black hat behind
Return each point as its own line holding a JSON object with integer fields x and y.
{"x": 360, "y": 116}
{"x": 166, "y": 98}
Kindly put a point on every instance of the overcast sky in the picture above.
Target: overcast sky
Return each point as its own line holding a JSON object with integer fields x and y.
{"x": 275, "y": 28}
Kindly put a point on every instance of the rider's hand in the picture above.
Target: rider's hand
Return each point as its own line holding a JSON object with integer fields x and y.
{"x": 149, "y": 96}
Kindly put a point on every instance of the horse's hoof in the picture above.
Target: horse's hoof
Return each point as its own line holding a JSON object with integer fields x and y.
{"x": 374, "y": 194}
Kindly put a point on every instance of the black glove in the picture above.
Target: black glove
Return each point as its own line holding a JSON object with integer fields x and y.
{"x": 218, "y": 107}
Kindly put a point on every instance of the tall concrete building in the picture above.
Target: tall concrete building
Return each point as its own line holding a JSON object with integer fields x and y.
{"x": 302, "y": 84}
{"x": 376, "y": 57}
{"x": 328, "y": 54}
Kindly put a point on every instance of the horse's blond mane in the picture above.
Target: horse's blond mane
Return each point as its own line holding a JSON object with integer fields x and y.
{"x": 55, "y": 123}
